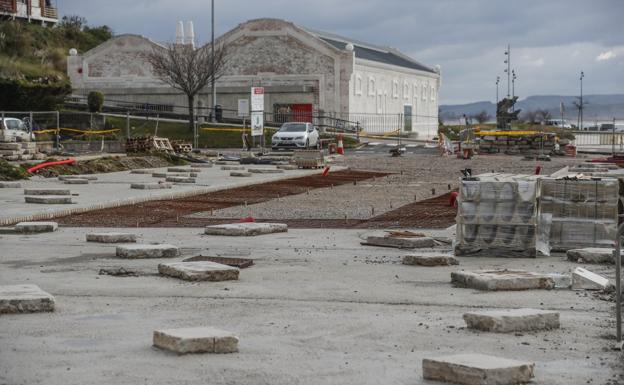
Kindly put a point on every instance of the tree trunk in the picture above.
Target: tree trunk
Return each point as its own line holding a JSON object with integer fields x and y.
{"x": 191, "y": 107}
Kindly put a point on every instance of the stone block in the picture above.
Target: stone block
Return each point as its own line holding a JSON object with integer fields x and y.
{"x": 287, "y": 167}
{"x": 246, "y": 229}
{"x": 583, "y": 279}
{"x": 49, "y": 199}
{"x": 265, "y": 170}
{"x": 199, "y": 271}
{"x": 178, "y": 169}
{"x": 430, "y": 260}
{"x": 196, "y": 340}
{"x": 180, "y": 179}
{"x": 232, "y": 168}
{"x": 240, "y": 173}
{"x": 400, "y": 242}
{"x": 10, "y": 184}
{"x": 76, "y": 181}
{"x": 515, "y": 320}
{"x": 36, "y": 227}
{"x": 10, "y": 146}
{"x": 140, "y": 171}
{"x": 477, "y": 369}
{"x": 150, "y": 186}
{"x": 47, "y": 191}
{"x": 111, "y": 237}
{"x": 502, "y": 280}
{"x": 591, "y": 255}
{"x": 24, "y": 299}
{"x": 201, "y": 165}
{"x": 88, "y": 177}
{"x": 147, "y": 251}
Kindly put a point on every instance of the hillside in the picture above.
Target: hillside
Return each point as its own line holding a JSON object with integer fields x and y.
{"x": 598, "y": 107}
{"x": 33, "y": 60}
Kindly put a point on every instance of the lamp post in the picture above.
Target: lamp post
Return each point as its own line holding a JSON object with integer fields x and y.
{"x": 214, "y": 90}
{"x": 513, "y": 88}
{"x": 581, "y": 106}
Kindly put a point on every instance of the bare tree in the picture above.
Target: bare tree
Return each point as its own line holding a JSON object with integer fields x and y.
{"x": 188, "y": 69}
{"x": 543, "y": 114}
{"x": 482, "y": 117}
{"x": 529, "y": 116}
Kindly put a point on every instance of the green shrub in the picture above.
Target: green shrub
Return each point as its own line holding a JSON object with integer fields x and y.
{"x": 95, "y": 100}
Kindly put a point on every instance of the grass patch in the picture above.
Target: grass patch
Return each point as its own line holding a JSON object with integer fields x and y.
{"x": 8, "y": 172}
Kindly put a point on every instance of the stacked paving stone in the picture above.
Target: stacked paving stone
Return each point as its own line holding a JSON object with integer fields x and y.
{"x": 20, "y": 151}
{"x": 584, "y": 211}
{"x": 517, "y": 144}
{"x": 497, "y": 216}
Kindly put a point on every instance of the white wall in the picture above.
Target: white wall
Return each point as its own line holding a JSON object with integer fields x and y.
{"x": 383, "y": 90}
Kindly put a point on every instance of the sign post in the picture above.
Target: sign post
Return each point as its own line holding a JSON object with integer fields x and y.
{"x": 257, "y": 112}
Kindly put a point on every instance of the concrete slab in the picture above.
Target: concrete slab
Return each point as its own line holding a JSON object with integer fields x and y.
{"x": 183, "y": 169}
{"x": 180, "y": 179}
{"x": 76, "y": 181}
{"x": 430, "y": 260}
{"x": 24, "y": 299}
{"x": 147, "y": 251}
{"x": 591, "y": 255}
{"x": 49, "y": 199}
{"x": 88, "y": 177}
{"x": 202, "y": 165}
{"x": 583, "y": 279}
{"x": 36, "y": 227}
{"x": 513, "y": 320}
{"x": 232, "y": 168}
{"x": 47, "y": 191}
{"x": 495, "y": 280}
{"x": 400, "y": 242}
{"x": 240, "y": 174}
{"x": 141, "y": 171}
{"x": 168, "y": 174}
{"x": 199, "y": 271}
{"x": 111, "y": 237}
{"x": 10, "y": 184}
{"x": 477, "y": 369}
{"x": 287, "y": 167}
{"x": 246, "y": 229}
{"x": 196, "y": 340}
{"x": 265, "y": 170}
{"x": 150, "y": 186}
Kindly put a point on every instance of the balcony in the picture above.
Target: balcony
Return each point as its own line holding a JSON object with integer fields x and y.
{"x": 50, "y": 13}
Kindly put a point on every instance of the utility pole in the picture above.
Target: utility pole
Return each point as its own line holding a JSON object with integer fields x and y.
{"x": 581, "y": 106}
{"x": 214, "y": 90}
{"x": 513, "y": 88}
{"x": 508, "y": 69}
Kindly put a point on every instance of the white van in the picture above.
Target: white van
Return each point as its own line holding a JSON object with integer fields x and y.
{"x": 14, "y": 130}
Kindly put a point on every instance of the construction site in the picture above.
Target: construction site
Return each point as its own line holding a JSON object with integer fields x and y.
{"x": 375, "y": 264}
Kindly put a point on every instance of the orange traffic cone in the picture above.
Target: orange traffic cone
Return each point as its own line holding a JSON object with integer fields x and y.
{"x": 340, "y": 150}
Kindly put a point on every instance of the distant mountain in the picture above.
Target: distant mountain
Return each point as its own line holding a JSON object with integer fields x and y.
{"x": 597, "y": 107}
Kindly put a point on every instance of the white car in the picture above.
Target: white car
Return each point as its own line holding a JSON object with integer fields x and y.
{"x": 296, "y": 135}
{"x": 15, "y": 130}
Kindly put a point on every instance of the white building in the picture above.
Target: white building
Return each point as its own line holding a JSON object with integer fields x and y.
{"x": 43, "y": 11}
{"x": 307, "y": 75}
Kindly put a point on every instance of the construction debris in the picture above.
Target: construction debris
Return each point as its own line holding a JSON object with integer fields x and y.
{"x": 196, "y": 340}
{"x": 111, "y": 237}
{"x": 36, "y": 227}
{"x": 583, "y": 279}
{"x": 118, "y": 272}
{"x": 246, "y": 229}
{"x": 495, "y": 280}
{"x": 147, "y": 251}
{"x": 24, "y": 299}
{"x": 400, "y": 242}
{"x": 148, "y": 144}
{"x": 430, "y": 260}
{"x": 198, "y": 271}
{"x": 591, "y": 255}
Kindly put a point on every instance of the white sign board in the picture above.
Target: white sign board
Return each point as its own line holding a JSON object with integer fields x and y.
{"x": 257, "y": 99}
{"x": 243, "y": 108}
{"x": 257, "y": 123}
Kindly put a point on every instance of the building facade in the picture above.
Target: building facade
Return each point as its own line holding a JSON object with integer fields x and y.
{"x": 43, "y": 11}
{"x": 306, "y": 75}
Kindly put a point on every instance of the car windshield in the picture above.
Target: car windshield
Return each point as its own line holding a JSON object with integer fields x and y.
{"x": 293, "y": 127}
{"x": 14, "y": 124}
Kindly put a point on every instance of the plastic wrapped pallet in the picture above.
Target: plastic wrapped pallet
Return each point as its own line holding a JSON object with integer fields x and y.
{"x": 497, "y": 216}
{"x": 584, "y": 211}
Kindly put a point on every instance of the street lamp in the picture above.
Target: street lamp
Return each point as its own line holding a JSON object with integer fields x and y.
{"x": 581, "y": 102}
{"x": 212, "y": 47}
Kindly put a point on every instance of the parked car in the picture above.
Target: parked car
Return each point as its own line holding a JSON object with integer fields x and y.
{"x": 558, "y": 123}
{"x": 13, "y": 129}
{"x": 295, "y": 135}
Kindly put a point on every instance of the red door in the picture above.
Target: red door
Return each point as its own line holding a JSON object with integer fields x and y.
{"x": 302, "y": 112}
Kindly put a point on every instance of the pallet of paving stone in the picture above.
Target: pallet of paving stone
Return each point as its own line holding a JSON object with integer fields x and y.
{"x": 147, "y": 144}
{"x": 309, "y": 158}
{"x": 181, "y": 147}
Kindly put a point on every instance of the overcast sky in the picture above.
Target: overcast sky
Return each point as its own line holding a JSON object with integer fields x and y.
{"x": 551, "y": 40}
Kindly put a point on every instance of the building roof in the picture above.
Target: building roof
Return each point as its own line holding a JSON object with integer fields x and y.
{"x": 366, "y": 51}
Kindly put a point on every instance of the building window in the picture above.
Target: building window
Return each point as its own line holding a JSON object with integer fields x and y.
{"x": 372, "y": 91}
{"x": 380, "y": 103}
{"x": 358, "y": 84}
{"x": 395, "y": 89}
{"x": 423, "y": 91}
{"x": 406, "y": 91}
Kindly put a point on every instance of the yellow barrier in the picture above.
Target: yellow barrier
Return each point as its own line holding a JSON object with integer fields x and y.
{"x": 507, "y": 133}
{"x": 231, "y": 129}
{"x": 86, "y": 132}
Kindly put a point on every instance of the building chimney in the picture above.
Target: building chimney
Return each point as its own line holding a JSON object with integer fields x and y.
{"x": 189, "y": 34}
{"x": 180, "y": 33}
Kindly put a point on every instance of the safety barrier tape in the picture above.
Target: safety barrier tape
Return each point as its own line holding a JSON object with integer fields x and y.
{"x": 86, "y": 132}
